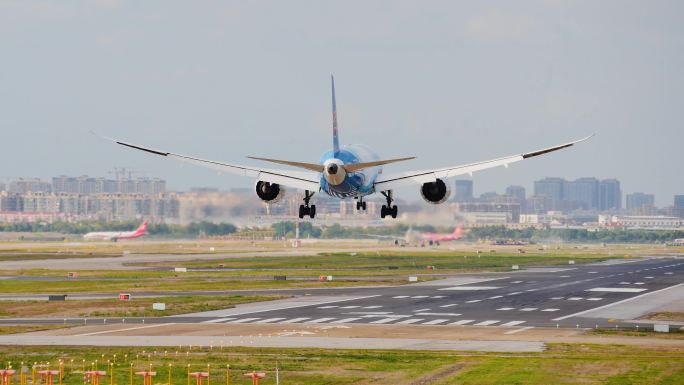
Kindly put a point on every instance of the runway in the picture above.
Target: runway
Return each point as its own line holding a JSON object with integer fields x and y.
{"x": 578, "y": 296}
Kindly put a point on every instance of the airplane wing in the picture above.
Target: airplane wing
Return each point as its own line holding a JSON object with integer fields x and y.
{"x": 297, "y": 179}
{"x": 391, "y": 181}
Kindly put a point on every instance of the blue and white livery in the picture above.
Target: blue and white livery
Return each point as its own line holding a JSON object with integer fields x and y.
{"x": 352, "y": 171}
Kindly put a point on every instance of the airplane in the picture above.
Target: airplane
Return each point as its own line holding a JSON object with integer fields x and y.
{"x": 437, "y": 237}
{"x": 351, "y": 171}
{"x": 116, "y": 235}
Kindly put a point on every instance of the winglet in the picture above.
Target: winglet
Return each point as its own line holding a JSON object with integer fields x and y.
{"x": 336, "y": 142}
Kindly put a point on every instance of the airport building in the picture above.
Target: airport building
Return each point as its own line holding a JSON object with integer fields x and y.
{"x": 679, "y": 205}
{"x": 640, "y": 222}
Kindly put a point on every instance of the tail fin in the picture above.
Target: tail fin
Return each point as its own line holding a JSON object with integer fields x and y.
{"x": 336, "y": 142}
{"x": 142, "y": 228}
{"x": 458, "y": 231}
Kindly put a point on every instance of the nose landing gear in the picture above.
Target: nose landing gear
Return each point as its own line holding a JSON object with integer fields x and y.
{"x": 388, "y": 209}
{"x": 305, "y": 209}
{"x": 360, "y": 204}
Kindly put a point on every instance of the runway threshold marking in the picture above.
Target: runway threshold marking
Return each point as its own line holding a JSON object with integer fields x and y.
{"x": 519, "y": 330}
{"x": 470, "y": 288}
{"x": 345, "y": 320}
{"x": 294, "y": 320}
{"x": 441, "y": 314}
{"x": 486, "y": 323}
{"x": 513, "y": 323}
{"x": 616, "y": 290}
{"x": 409, "y": 321}
{"x": 122, "y": 330}
{"x": 285, "y": 307}
{"x": 614, "y": 303}
{"x": 213, "y": 321}
{"x": 435, "y": 322}
{"x": 462, "y": 322}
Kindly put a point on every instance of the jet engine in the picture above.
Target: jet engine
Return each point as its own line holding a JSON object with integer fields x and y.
{"x": 269, "y": 192}
{"x": 435, "y": 192}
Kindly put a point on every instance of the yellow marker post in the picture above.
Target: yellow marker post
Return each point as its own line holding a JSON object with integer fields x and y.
{"x": 188, "y": 374}
{"x": 208, "y": 373}
{"x": 61, "y": 371}
{"x": 33, "y": 373}
{"x": 111, "y": 373}
{"x": 131, "y": 379}
{"x": 169, "y": 374}
{"x": 227, "y": 374}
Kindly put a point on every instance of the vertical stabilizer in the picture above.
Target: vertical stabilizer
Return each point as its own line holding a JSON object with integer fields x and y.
{"x": 336, "y": 142}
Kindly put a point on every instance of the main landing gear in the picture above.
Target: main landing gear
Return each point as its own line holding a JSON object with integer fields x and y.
{"x": 305, "y": 209}
{"x": 388, "y": 209}
{"x": 360, "y": 204}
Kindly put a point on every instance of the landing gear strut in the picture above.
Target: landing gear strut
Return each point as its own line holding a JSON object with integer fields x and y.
{"x": 388, "y": 209}
{"x": 360, "y": 204}
{"x": 305, "y": 209}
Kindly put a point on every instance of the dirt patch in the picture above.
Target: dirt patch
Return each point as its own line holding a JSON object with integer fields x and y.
{"x": 664, "y": 316}
{"x": 433, "y": 378}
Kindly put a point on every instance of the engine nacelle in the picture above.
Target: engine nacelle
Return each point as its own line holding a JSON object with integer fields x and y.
{"x": 435, "y": 192}
{"x": 269, "y": 192}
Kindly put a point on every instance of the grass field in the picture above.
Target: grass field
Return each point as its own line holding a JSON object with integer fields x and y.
{"x": 560, "y": 364}
{"x": 136, "y": 307}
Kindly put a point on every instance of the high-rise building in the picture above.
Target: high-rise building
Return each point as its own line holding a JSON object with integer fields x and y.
{"x": 463, "y": 190}
{"x": 610, "y": 196}
{"x": 584, "y": 192}
{"x": 636, "y": 201}
{"x": 517, "y": 192}
{"x": 552, "y": 188}
{"x": 679, "y": 205}
{"x": 22, "y": 186}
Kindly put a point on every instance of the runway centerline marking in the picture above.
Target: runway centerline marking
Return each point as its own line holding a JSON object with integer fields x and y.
{"x": 528, "y": 309}
{"x": 419, "y": 310}
{"x": 441, "y": 314}
{"x": 122, "y": 330}
{"x": 505, "y": 308}
{"x": 449, "y": 305}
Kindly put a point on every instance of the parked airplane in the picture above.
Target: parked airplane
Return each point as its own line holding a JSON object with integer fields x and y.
{"x": 352, "y": 171}
{"x": 437, "y": 237}
{"x": 116, "y": 235}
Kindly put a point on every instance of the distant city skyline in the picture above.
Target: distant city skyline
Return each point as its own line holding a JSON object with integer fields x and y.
{"x": 447, "y": 82}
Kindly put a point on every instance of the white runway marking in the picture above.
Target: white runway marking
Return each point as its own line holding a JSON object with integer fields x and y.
{"x": 649, "y": 277}
{"x": 594, "y": 299}
{"x": 515, "y": 293}
{"x": 574, "y": 298}
{"x": 513, "y": 323}
{"x": 372, "y": 307}
{"x": 557, "y": 298}
{"x": 487, "y": 323}
{"x": 384, "y": 321}
{"x": 400, "y": 296}
{"x": 638, "y": 283}
{"x": 473, "y": 301}
{"x": 669, "y": 273}
{"x": 505, "y": 308}
{"x": 269, "y": 320}
{"x": 409, "y": 321}
{"x": 449, "y": 305}
{"x": 462, "y": 322}
{"x": 550, "y": 309}
{"x": 369, "y": 312}
{"x": 617, "y": 290}
{"x": 593, "y": 272}
{"x": 327, "y": 307}
{"x": 217, "y": 320}
{"x": 495, "y": 297}
{"x": 350, "y": 307}
{"x": 419, "y": 296}
{"x": 565, "y": 276}
{"x": 244, "y": 320}
{"x": 469, "y": 288}
{"x": 419, "y": 310}
{"x": 528, "y": 309}
{"x": 294, "y": 320}
{"x": 438, "y": 296}
{"x": 320, "y": 320}
{"x": 516, "y": 282}
{"x": 435, "y": 322}
{"x": 121, "y": 330}
{"x": 345, "y": 320}
{"x": 614, "y": 303}
{"x": 624, "y": 283}
{"x": 519, "y": 330}
{"x": 441, "y": 314}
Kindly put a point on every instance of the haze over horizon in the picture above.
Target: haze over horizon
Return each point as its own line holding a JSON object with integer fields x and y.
{"x": 449, "y": 83}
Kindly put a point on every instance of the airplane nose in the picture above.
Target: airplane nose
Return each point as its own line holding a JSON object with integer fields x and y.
{"x": 332, "y": 169}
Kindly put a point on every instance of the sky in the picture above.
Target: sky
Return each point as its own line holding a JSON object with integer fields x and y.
{"x": 449, "y": 82}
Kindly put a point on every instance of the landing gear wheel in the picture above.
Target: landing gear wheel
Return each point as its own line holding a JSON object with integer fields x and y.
{"x": 360, "y": 205}
{"x": 388, "y": 209}
{"x": 305, "y": 209}
{"x": 363, "y": 206}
